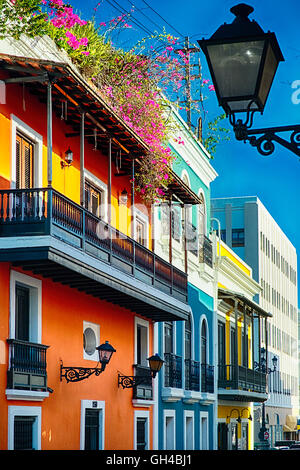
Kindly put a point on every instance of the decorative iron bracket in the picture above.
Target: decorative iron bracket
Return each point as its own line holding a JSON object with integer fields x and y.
{"x": 76, "y": 374}
{"x": 127, "y": 381}
{"x": 265, "y": 143}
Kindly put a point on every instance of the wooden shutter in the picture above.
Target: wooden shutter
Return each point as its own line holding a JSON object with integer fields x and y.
{"x": 24, "y": 163}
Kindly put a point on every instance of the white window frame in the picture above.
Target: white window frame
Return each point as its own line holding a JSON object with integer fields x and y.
{"x": 141, "y": 414}
{"x": 95, "y": 405}
{"x": 145, "y": 324}
{"x": 96, "y": 328}
{"x": 188, "y": 414}
{"x": 169, "y": 414}
{"x": 102, "y": 187}
{"x": 35, "y": 411}
{"x": 37, "y": 139}
{"x": 35, "y": 286}
{"x": 204, "y": 416}
{"x": 138, "y": 214}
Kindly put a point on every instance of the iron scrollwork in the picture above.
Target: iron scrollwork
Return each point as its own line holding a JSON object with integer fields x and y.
{"x": 76, "y": 374}
{"x": 265, "y": 143}
{"x": 127, "y": 381}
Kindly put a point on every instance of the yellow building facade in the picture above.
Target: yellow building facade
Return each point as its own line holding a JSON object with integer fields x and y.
{"x": 239, "y": 331}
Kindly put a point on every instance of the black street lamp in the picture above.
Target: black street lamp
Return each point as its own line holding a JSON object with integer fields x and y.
{"x": 243, "y": 60}
{"x": 262, "y": 366}
{"x": 155, "y": 364}
{"x": 76, "y": 374}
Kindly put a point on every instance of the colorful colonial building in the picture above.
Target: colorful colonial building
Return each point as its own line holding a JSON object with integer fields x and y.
{"x": 77, "y": 267}
{"x": 187, "y": 383}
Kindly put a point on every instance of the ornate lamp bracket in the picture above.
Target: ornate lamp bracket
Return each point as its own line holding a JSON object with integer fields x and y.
{"x": 127, "y": 381}
{"x": 76, "y": 374}
{"x": 268, "y": 136}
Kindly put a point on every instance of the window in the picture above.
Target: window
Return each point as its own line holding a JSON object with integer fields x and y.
{"x": 25, "y": 307}
{"x": 91, "y": 339}
{"x": 223, "y": 235}
{"x": 238, "y": 237}
{"x": 169, "y": 337}
{"x": 204, "y": 436}
{"x": 169, "y": 430}
{"x": 92, "y": 425}
{"x": 188, "y": 339}
{"x": 27, "y": 156}
{"x": 203, "y": 343}
{"x": 141, "y": 430}
{"x": 176, "y": 223}
{"x": 24, "y": 428}
{"x": 22, "y": 313}
{"x": 140, "y": 231}
{"x": 93, "y": 199}
{"x": 188, "y": 430}
{"x": 24, "y": 162}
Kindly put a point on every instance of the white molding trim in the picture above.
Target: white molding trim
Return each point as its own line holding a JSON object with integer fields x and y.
{"x": 35, "y": 411}
{"x": 137, "y": 213}
{"x": 141, "y": 414}
{"x": 96, "y": 329}
{"x": 35, "y": 286}
{"x": 102, "y": 187}
{"x": 145, "y": 324}
{"x": 25, "y": 395}
{"x": 169, "y": 414}
{"x": 188, "y": 414}
{"x": 204, "y": 414}
{"x": 37, "y": 139}
{"x": 95, "y": 405}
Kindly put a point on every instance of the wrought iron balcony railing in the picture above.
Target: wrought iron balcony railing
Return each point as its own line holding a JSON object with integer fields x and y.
{"x": 173, "y": 370}
{"x": 27, "y": 366}
{"x": 207, "y": 378}
{"x": 29, "y": 212}
{"x": 239, "y": 377}
{"x": 192, "y": 376}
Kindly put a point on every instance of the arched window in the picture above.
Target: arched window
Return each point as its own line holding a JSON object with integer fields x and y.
{"x": 202, "y": 215}
{"x": 188, "y": 339}
{"x": 169, "y": 337}
{"x": 203, "y": 343}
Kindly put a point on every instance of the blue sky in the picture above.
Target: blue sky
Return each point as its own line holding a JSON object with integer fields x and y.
{"x": 242, "y": 170}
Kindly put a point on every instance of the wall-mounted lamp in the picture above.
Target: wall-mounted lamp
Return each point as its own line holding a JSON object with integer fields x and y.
{"x": 249, "y": 417}
{"x": 76, "y": 374}
{"x": 123, "y": 198}
{"x": 68, "y": 158}
{"x": 155, "y": 364}
{"x": 230, "y": 416}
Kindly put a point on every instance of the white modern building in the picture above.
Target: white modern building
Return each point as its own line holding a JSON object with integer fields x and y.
{"x": 250, "y": 230}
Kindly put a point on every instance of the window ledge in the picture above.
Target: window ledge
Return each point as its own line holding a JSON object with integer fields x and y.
{"x": 170, "y": 394}
{"x": 144, "y": 403}
{"x": 27, "y": 395}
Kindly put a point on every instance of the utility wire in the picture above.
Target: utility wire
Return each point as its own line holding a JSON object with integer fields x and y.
{"x": 120, "y": 9}
{"x": 148, "y": 18}
{"x": 149, "y": 6}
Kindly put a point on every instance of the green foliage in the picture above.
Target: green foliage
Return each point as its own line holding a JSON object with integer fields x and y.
{"x": 215, "y": 134}
{"x": 22, "y": 17}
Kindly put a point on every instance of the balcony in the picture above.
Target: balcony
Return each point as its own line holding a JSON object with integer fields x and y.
{"x": 144, "y": 390}
{"x": 207, "y": 378}
{"x": 192, "y": 377}
{"x": 27, "y": 367}
{"x": 239, "y": 382}
{"x": 33, "y": 215}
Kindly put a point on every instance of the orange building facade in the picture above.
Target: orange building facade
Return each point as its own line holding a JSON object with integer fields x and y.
{"x": 76, "y": 268}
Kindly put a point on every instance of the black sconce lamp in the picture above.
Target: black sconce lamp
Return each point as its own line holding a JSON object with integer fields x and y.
{"x": 123, "y": 198}
{"x": 76, "y": 374}
{"x": 246, "y": 409}
{"x": 155, "y": 364}
{"x": 238, "y": 418}
{"x": 243, "y": 60}
{"x": 68, "y": 158}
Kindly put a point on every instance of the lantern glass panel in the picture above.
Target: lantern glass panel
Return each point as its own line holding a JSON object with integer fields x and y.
{"x": 236, "y": 68}
{"x": 270, "y": 67}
